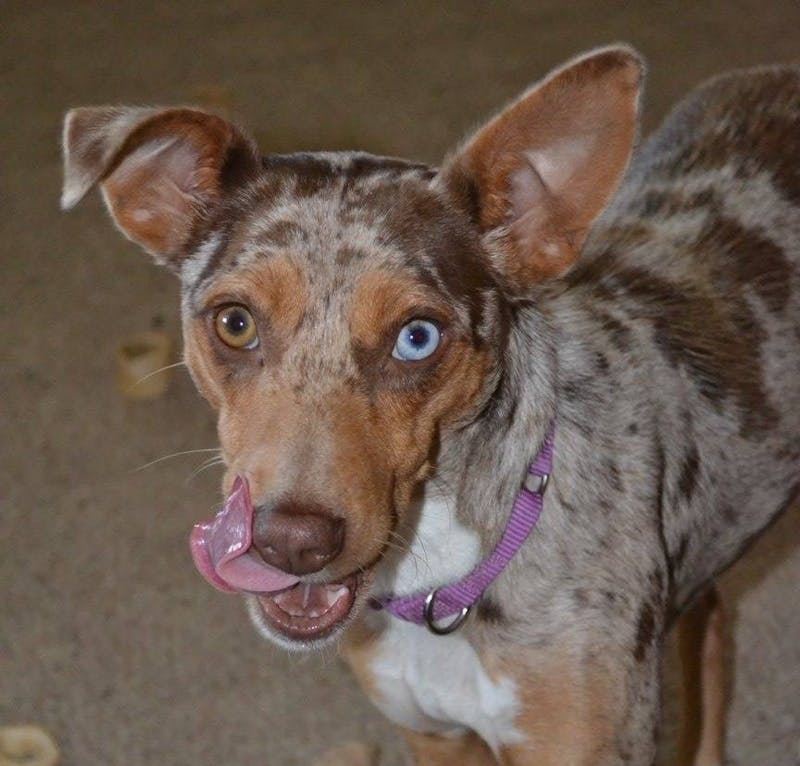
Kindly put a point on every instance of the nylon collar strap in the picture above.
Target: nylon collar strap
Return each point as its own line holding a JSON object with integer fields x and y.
{"x": 457, "y": 599}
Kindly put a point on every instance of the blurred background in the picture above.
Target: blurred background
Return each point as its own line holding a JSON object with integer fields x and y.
{"x": 108, "y": 638}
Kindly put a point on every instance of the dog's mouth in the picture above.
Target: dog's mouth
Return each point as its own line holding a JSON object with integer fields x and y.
{"x": 287, "y": 607}
{"x": 309, "y": 611}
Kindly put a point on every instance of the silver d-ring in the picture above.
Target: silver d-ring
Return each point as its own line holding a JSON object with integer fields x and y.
{"x": 445, "y": 629}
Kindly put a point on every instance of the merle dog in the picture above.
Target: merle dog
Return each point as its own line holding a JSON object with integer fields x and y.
{"x": 491, "y": 426}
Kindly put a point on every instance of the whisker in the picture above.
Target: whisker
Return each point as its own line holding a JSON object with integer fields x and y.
{"x": 405, "y": 548}
{"x": 399, "y": 543}
{"x": 403, "y": 540}
{"x": 396, "y": 547}
{"x": 155, "y": 372}
{"x": 210, "y": 463}
{"x": 176, "y": 454}
{"x": 213, "y": 459}
{"x": 423, "y": 557}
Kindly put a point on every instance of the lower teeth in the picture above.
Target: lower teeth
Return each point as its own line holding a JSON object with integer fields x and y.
{"x": 332, "y": 594}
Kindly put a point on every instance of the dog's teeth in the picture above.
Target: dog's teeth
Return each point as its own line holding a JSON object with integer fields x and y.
{"x": 306, "y": 594}
{"x": 334, "y": 595}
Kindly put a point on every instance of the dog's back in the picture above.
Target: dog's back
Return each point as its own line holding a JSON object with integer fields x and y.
{"x": 694, "y": 274}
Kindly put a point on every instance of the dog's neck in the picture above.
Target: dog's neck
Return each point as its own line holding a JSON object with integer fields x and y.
{"x": 484, "y": 462}
{"x": 461, "y": 511}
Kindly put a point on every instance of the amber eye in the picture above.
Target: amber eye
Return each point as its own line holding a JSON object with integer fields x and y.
{"x": 236, "y": 327}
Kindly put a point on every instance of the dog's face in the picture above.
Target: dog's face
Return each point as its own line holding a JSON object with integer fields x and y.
{"x": 345, "y": 313}
{"x": 356, "y": 343}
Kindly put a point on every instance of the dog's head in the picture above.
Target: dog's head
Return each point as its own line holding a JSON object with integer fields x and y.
{"x": 346, "y": 313}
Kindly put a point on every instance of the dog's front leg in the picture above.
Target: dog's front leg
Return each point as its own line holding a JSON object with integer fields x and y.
{"x": 572, "y": 712}
{"x": 350, "y": 754}
{"x": 437, "y": 750}
{"x": 360, "y": 650}
{"x": 597, "y": 708}
{"x": 576, "y": 705}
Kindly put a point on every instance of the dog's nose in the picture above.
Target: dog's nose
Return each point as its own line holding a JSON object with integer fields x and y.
{"x": 297, "y": 539}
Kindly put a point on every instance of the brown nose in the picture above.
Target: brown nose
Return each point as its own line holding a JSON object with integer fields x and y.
{"x": 297, "y": 539}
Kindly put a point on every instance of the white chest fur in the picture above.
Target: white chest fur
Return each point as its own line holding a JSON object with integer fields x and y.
{"x": 430, "y": 683}
{"x": 436, "y": 684}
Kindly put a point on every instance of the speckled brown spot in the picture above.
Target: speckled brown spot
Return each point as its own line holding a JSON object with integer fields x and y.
{"x": 490, "y": 611}
{"x": 645, "y": 632}
{"x": 690, "y": 467}
{"x": 283, "y": 233}
{"x": 747, "y": 260}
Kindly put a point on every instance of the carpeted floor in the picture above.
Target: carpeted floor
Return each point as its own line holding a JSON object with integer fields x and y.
{"x": 107, "y": 636}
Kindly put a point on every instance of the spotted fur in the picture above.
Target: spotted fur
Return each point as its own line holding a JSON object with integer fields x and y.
{"x": 668, "y": 355}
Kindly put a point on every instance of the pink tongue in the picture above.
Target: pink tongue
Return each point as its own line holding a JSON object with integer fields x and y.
{"x": 221, "y": 549}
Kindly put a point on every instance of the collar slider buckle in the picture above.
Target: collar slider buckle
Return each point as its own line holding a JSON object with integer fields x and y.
{"x": 536, "y": 482}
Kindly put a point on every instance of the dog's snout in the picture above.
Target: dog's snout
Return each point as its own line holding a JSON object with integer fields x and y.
{"x": 297, "y": 539}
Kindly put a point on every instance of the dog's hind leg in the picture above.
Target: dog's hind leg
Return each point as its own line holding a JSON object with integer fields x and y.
{"x": 701, "y": 632}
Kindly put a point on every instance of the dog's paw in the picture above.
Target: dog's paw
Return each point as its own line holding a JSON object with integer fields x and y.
{"x": 351, "y": 754}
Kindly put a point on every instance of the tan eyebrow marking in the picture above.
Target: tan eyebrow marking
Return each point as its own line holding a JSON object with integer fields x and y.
{"x": 384, "y": 298}
{"x": 275, "y": 286}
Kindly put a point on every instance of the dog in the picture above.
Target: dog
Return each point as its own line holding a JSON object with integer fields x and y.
{"x": 490, "y": 427}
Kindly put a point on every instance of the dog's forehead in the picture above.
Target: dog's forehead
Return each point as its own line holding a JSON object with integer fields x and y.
{"x": 340, "y": 209}
{"x": 339, "y": 216}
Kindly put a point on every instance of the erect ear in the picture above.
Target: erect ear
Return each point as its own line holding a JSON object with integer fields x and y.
{"x": 539, "y": 173}
{"x": 161, "y": 171}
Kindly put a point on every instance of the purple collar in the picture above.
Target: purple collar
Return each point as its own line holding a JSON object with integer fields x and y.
{"x": 457, "y": 599}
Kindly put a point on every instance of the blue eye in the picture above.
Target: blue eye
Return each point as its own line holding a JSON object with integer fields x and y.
{"x": 417, "y": 340}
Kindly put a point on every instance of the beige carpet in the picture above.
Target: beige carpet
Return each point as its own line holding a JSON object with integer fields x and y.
{"x": 107, "y": 635}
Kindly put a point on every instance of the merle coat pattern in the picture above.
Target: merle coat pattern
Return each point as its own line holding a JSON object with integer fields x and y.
{"x": 660, "y": 331}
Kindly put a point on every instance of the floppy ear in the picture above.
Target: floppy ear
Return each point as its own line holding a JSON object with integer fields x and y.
{"x": 538, "y": 174}
{"x": 161, "y": 171}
